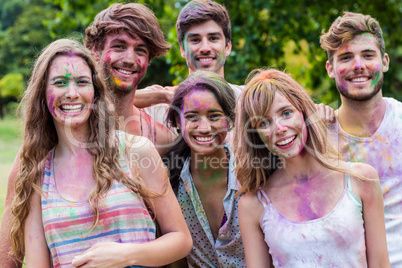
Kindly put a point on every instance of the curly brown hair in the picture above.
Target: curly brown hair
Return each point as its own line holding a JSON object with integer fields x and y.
{"x": 132, "y": 18}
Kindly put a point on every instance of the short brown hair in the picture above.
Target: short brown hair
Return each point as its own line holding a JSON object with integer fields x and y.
{"x": 132, "y": 18}
{"x": 345, "y": 28}
{"x": 199, "y": 11}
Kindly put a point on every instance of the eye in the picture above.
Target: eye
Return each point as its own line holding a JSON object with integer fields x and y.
{"x": 263, "y": 124}
{"x": 191, "y": 117}
{"x": 142, "y": 51}
{"x": 345, "y": 58}
{"x": 194, "y": 40}
{"x": 215, "y": 117}
{"x": 83, "y": 82}
{"x": 60, "y": 83}
{"x": 214, "y": 38}
{"x": 369, "y": 55}
{"x": 118, "y": 47}
{"x": 286, "y": 113}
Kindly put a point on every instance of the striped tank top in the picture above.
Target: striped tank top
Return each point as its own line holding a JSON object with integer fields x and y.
{"x": 67, "y": 224}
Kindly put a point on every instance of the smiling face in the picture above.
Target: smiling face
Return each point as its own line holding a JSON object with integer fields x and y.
{"x": 69, "y": 91}
{"x": 204, "y": 47}
{"x": 358, "y": 68}
{"x": 283, "y": 131}
{"x": 203, "y": 123}
{"x": 124, "y": 60}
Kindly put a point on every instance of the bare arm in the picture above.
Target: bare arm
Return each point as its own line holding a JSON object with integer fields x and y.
{"x": 36, "y": 250}
{"x": 256, "y": 250}
{"x": 152, "y": 95}
{"x": 165, "y": 138}
{"x": 6, "y": 221}
{"x": 175, "y": 242}
{"x": 370, "y": 194}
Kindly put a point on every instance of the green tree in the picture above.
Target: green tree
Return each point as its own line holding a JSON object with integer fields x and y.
{"x": 21, "y": 42}
{"x": 11, "y": 87}
{"x": 283, "y": 34}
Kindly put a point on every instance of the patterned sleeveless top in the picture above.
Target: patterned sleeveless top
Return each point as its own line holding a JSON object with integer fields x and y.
{"x": 67, "y": 223}
{"x": 334, "y": 240}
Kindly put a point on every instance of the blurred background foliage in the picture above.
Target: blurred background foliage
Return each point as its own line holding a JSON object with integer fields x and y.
{"x": 282, "y": 34}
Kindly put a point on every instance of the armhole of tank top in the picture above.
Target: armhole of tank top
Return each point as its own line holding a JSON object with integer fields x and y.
{"x": 266, "y": 202}
{"x": 123, "y": 157}
{"x": 348, "y": 180}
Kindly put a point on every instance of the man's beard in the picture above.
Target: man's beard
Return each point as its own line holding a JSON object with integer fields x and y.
{"x": 362, "y": 98}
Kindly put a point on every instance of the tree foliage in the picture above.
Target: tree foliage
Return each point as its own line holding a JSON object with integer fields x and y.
{"x": 11, "y": 87}
{"x": 282, "y": 34}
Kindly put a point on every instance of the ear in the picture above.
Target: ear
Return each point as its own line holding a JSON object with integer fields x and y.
{"x": 231, "y": 126}
{"x": 330, "y": 69}
{"x": 96, "y": 53}
{"x": 228, "y": 48}
{"x": 385, "y": 63}
{"x": 182, "y": 52}
{"x": 177, "y": 117}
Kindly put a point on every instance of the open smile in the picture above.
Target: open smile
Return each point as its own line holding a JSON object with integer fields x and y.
{"x": 125, "y": 71}
{"x": 206, "y": 59}
{"x": 204, "y": 139}
{"x": 72, "y": 108}
{"x": 359, "y": 79}
{"x": 286, "y": 143}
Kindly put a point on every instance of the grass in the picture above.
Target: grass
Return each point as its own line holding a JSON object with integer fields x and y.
{"x": 10, "y": 133}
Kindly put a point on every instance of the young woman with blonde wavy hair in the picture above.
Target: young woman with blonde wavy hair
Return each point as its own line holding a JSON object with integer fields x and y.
{"x": 302, "y": 206}
{"x": 82, "y": 194}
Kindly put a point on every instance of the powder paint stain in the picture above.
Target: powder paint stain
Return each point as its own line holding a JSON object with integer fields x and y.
{"x": 50, "y": 104}
{"x": 375, "y": 80}
{"x": 117, "y": 81}
{"x": 305, "y": 208}
{"x": 68, "y": 76}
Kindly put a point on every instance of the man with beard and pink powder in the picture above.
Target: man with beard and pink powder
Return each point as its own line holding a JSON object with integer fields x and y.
{"x": 368, "y": 126}
{"x": 123, "y": 39}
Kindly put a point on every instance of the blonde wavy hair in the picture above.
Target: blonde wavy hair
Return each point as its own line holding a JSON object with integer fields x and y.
{"x": 254, "y": 104}
{"x": 40, "y": 137}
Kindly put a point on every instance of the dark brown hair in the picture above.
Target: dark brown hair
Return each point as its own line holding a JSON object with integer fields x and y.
{"x": 199, "y": 11}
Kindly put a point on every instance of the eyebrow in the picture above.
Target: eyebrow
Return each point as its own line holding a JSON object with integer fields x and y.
{"x": 209, "y": 111}
{"x": 75, "y": 77}
{"x": 349, "y": 52}
{"x": 285, "y": 107}
{"x": 189, "y": 35}
{"x": 118, "y": 40}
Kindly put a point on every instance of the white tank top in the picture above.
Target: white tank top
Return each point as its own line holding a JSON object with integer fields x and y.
{"x": 334, "y": 240}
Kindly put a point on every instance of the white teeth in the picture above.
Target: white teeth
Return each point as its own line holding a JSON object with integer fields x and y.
{"x": 72, "y": 108}
{"x": 359, "y": 79}
{"x": 206, "y": 59}
{"x": 124, "y": 71}
{"x": 286, "y": 141}
{"x": 204, "y": 138}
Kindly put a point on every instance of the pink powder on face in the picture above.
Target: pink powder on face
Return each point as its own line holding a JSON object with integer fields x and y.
{"x": 50, "y": 103}
{"x": 342, "y": 71}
